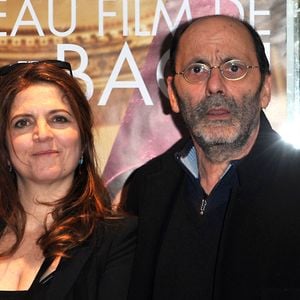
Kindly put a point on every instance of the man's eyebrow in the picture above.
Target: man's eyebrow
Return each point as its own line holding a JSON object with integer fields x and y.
{"x": 202, "y": 61}
{"x": 196, "y": 60}
{"x": 223, "y": 60}
{"x": 228, "y": 58}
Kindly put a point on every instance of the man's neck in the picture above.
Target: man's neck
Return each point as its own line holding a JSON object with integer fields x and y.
{"x": 211, "y": 172}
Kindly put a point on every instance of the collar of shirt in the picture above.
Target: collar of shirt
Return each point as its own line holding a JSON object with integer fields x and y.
{"x": 188, "y": 158}
{"x": 220, "y": 194}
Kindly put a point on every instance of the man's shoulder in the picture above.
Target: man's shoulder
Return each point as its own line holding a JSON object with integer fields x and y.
{"x": 163, "y": 165}
{"x": 271, "y": 157}
{"x": 147, "y": 182}
{"x": 165, "y": 159}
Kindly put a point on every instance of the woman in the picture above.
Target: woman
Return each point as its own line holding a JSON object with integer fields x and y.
{"x": 58, "y": 239}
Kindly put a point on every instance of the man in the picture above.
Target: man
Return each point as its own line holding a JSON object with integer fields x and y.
{"x": 219, "y": 213}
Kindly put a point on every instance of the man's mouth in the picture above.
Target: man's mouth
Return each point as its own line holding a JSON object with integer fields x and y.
{"x": 218, "y": 113}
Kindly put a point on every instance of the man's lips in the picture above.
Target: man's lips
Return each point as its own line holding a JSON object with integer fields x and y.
{"x": 218, "y": 113}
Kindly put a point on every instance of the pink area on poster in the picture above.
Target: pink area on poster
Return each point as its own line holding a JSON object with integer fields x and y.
{"x": 147, "y": 131}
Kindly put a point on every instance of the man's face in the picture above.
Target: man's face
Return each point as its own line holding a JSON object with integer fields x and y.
{"x": 220, "y": 114}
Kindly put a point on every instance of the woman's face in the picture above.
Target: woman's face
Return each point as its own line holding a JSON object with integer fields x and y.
{"x": 43, "y": 137}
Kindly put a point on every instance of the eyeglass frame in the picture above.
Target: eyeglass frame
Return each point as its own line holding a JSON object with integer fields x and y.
{"x": 64, "y": 65}
{"x": 209, "y": 68}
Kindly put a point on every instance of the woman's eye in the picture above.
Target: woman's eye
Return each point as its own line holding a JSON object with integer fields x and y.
{"x": 21, "y": 123}
{"x": 60, "y": 119}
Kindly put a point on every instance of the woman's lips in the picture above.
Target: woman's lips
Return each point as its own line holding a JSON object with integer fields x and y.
{"x": 45, "y": 152}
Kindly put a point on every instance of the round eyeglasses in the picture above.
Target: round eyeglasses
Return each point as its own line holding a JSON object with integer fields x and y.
{"x": 231, "y": 70}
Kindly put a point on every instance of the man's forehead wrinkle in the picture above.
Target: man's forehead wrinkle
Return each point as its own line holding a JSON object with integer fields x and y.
{"x": 200, "y": 34}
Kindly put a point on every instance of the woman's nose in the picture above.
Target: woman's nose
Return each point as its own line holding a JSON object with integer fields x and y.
{"x": 42, "y": 131}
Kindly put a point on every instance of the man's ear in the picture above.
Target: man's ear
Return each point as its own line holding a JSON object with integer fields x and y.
{"x": 265, "y": 94}
{"x": 172, "y": 95}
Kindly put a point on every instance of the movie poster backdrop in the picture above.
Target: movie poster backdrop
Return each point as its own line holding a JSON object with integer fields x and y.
{"x": 118, "y": 50}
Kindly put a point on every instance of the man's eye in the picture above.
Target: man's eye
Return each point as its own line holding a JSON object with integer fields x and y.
{"x": 21, "y": 123}
{"x": 235, "y": 68}
{"x": 197, "y": 69}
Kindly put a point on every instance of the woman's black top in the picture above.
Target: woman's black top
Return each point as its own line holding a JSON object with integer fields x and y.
{"x": 100, "y": 268}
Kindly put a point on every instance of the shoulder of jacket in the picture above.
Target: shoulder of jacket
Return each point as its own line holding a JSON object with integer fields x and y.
{"x": 166, "y": 158}
{"x": 112, "y": 227}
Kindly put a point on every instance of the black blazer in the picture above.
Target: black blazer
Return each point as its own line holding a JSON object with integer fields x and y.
{"x": 99, "y": 269}
{"x": 258, "y": 256}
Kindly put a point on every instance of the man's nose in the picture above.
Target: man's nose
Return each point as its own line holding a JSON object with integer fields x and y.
{"x": 215, "y": 83}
